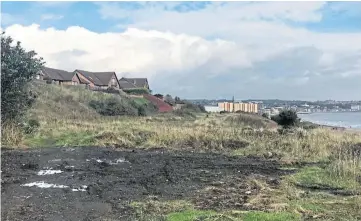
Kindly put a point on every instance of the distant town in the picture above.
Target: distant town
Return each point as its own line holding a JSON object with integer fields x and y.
{"x": 272, "y": 107}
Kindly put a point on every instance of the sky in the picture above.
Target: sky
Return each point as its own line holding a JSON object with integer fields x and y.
{"x": 211, "y": 50}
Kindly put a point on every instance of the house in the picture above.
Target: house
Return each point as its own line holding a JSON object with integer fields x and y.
{"x": 98, "y": 79}
{"x": 137, "y": 82}
{"x": 126, "y": 85}
{"x": 57, "y": 76}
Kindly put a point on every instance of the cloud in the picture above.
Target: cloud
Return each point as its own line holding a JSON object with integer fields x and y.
{"x": 293, "y": 11}
{"x": 250, "y": 50}
{"x": 53, "y": 4}
{"x": 135, "y": 51}
{"x": 51, "y": 17}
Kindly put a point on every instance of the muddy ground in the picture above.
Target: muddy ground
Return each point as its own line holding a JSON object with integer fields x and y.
{"x": 91, "y": 183}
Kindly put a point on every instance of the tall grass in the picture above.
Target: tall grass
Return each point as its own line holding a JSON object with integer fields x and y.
{"x": 11, "y": 134}
{"x": 67, "y": 120}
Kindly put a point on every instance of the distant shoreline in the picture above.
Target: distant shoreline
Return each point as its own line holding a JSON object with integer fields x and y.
{"x": 327, "y": 112}
{"x": 336, "y": 128}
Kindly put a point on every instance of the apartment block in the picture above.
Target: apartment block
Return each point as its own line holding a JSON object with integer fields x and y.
{"x": 234, "y": 107}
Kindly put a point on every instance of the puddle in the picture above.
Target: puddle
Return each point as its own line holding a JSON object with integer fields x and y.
{"x": 117, "y": 161}
{"x": 48, "y": 172}
{"x": 81, "y": 189}
{"x": 42, "y": 184}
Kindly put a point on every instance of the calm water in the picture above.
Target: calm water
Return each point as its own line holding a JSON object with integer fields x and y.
{"x": 341, "y": 119}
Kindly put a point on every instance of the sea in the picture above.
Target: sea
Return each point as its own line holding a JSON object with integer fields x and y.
{"x": 337, "y": 119}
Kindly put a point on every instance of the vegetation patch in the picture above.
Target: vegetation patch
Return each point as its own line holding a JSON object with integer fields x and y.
{"x": 190, "y": 215}
{"x": 321, "y": 179}
{"x": 251, "y": 120}
{"x": 266, "y": 216}
{"x": 136, "y": 91}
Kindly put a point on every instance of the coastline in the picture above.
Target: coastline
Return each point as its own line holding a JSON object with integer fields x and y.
{"x": 342, "y": 122}
{"x": 338, "y": 128}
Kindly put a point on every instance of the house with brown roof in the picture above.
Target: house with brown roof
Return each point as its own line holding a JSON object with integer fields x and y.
{"x": 98, "y": 79}
{"x": 130, "y": 83}
{"x": 57, "y": 76}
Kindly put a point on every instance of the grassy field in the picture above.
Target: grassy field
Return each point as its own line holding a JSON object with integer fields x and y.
{"x": 325, "y": 183}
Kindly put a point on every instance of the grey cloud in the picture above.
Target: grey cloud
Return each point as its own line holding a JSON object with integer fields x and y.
{"x": 294, "y": 74}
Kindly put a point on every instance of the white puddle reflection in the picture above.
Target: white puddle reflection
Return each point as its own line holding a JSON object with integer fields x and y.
{"x": 42, "y": 184}
{"x": 48, "y": 172}
{"x": 111, "y": 162}
{"x": 81, "y": 189}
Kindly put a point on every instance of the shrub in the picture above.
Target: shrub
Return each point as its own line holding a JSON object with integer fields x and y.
{"x": 18, "y": 68}
{"x": 286, "y": 118}
{"x": 194, "y": 108}
{"x": 265, "y": 115}
{"x": 160, "y": 96}
{"x": 31, "y": 126}
{"x": 147, "y": 109}
{"x": 168, "y": 99}
{"x": 114, "y": 107}
{"x": 142, "y": 111}
{"x": 136, "y": 91}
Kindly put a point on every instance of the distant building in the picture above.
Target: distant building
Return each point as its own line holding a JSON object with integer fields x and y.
{"x": 212, "y": 108}
{"x": 234, "y": 107}
{"x": 355, "y": 107}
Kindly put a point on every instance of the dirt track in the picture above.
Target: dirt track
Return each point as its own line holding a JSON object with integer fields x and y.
{"x": 98, "y": 183}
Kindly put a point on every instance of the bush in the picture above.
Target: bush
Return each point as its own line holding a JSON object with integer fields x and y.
{"x": 31, "y": 126}
{"x": 114, "y": 107}
{"x": 160, "y": 96}
{"x": 18, "y": 68}
{"x": 136, "y": 91}
{"x": 147, "y": 109}
{"x": 118, "y": 106}
{"x": 286, "y": 118}
{"x": 265, "y": 115}
{"x": 194, "y": 108}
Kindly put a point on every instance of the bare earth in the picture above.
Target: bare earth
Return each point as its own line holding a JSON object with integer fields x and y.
{"x": 92, "y": 183}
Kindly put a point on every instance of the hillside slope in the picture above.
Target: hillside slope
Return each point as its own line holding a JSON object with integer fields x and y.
{"x": 70, "y": 102}
{"x": 162, "y": 106}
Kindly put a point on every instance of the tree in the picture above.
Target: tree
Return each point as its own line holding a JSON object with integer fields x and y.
{"x": 160, "y": 96}
{"x": 265, "y": 115}
{"x": 18, "y": 68}
{"x": 286, "y": 118}
{"x": 168, "y": 98}
{"x": 177, "y": 100}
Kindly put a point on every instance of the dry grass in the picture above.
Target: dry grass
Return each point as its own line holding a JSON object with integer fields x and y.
{"x": 66, "y": 120}
{"x": 11, "y": 135}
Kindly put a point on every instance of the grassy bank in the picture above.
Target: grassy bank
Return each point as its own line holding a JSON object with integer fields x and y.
{"x": 326, "y": 163}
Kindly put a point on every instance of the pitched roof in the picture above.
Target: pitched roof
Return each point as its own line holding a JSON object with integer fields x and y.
{"x": 126, "y": 85}
{"x": 139, "y": 82}
{"x": 98, "y": 78}
{"x": 56, "y": 74}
